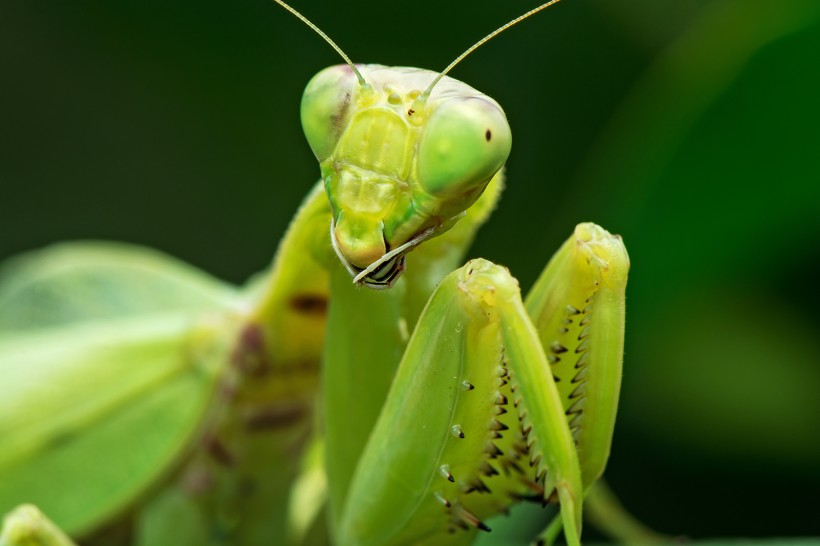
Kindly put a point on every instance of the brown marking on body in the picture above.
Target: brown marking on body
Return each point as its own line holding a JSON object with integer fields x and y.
{"x": 309, "y": 304}
{"x": 275, "y": 417}
{"x": 218, "y": 452}
{"x": 197, "y": 481}
{"x": 249, "y": 355}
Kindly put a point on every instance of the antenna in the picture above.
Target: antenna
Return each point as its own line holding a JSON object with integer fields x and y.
{"x": 327, "y": 39}
{"x": 480, "y": 43}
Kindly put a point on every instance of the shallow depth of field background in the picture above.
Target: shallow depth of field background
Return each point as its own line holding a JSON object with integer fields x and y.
{"x": 690, "y": 127}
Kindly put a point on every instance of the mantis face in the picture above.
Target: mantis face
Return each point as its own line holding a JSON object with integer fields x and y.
{"x": 398, "y": 167}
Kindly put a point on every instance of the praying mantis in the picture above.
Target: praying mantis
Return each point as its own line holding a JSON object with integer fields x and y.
{"x": 148, "y": 398}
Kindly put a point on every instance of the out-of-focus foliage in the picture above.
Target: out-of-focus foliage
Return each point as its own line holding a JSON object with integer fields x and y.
{"x": 690, "y": 127}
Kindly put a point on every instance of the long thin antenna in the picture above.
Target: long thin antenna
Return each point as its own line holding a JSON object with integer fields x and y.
{"x": 327, "y": 39}
{"x": 481, "y": 42}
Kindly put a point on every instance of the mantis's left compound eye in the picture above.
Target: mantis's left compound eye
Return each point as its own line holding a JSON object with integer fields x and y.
{"x": 325, "y": 108}
{"x": 465, "y": 143}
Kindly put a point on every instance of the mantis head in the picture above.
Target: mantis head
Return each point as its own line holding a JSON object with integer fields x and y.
{"x": 399, "y": 166}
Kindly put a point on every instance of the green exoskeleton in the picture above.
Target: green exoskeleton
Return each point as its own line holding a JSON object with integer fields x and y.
{"x": 165, "y": 407}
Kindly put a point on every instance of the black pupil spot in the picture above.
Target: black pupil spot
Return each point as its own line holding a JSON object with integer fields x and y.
{"x": 488, "y": 135}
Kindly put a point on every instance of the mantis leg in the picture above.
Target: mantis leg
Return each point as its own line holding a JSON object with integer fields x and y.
{"x": 472, "y": 423}
{"x": 27, "y": 526}
{"x": 477, "y": 416}
{"x": 605, "y": 512}
{"x": 578, "y": 306}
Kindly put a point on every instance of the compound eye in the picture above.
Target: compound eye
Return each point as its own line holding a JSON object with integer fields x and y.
{"x": 325, "y": 108}
{"x": 466, "y": 141}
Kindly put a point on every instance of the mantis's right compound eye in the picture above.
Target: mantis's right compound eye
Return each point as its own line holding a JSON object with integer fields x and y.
{"x": 465, "y": 143}
{"x": 326, "y": 108}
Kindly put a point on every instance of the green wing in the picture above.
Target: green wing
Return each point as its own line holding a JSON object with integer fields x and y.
{"x": 106, "y": 375}
{"x": 71, "y": 283}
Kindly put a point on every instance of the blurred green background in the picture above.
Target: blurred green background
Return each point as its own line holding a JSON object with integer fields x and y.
{"x": 691, "y": 127}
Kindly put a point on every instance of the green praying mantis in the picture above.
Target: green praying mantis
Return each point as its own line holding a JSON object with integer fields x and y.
{"x": 147, "y": 403}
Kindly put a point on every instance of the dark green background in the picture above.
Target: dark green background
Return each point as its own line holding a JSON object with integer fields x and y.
{"x": 690, "y": 127}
